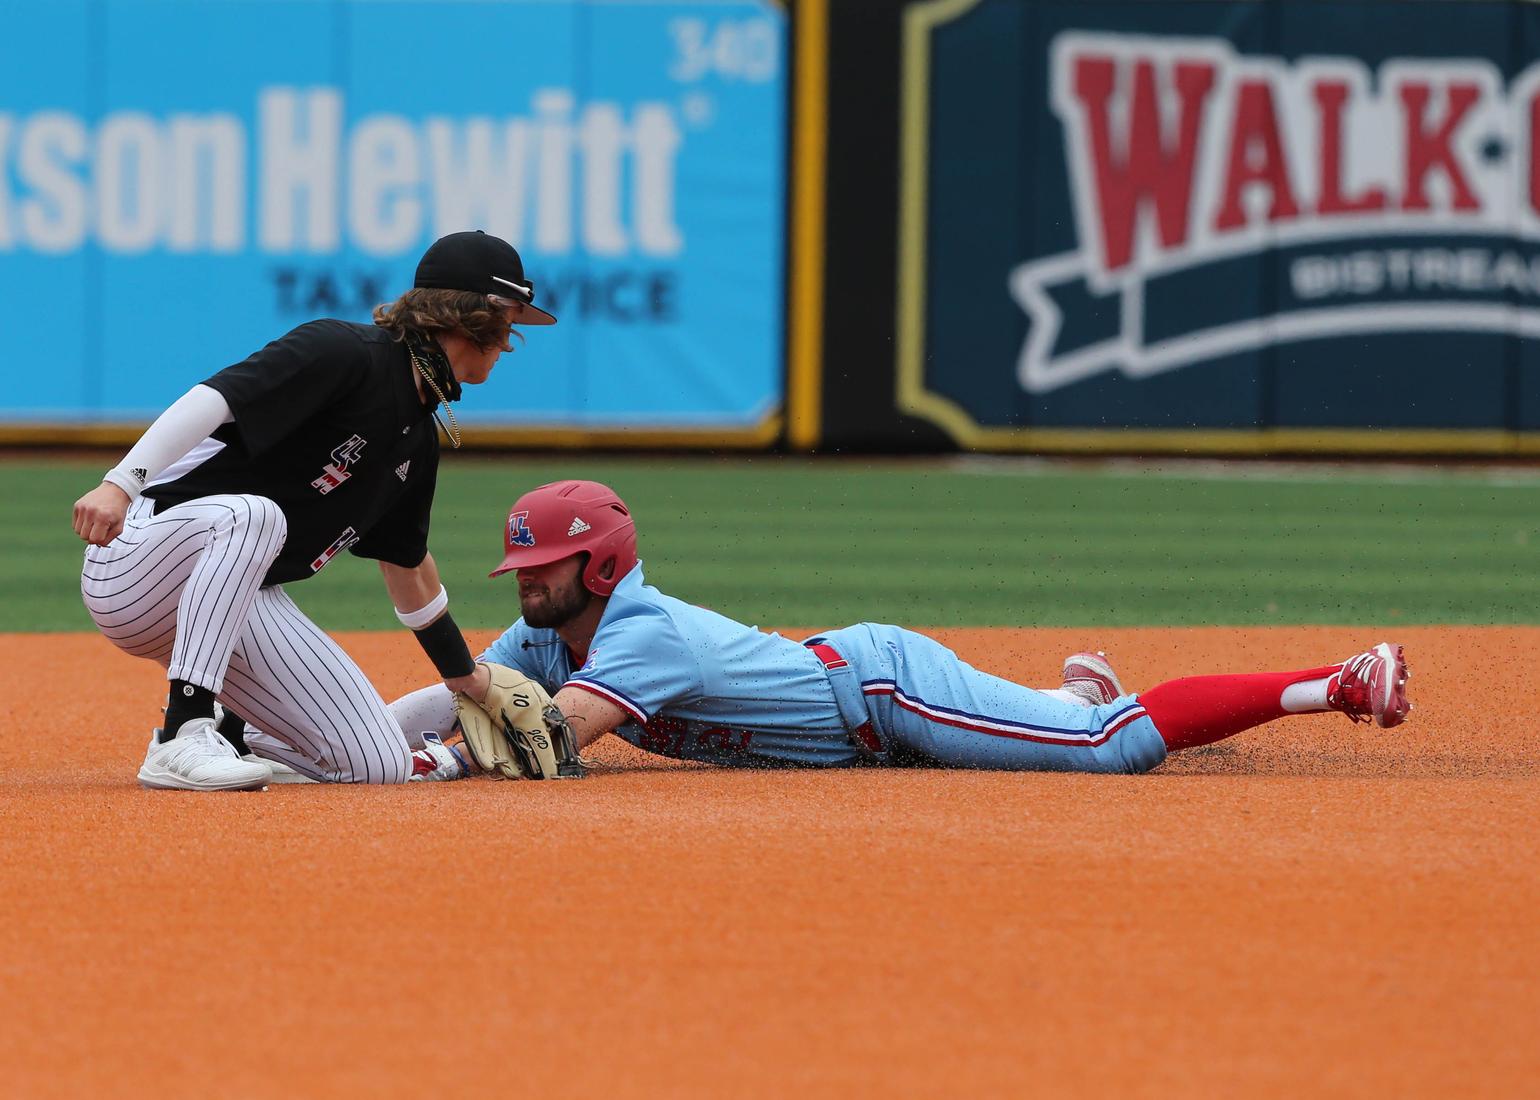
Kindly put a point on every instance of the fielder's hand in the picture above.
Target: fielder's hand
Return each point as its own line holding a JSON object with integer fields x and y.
{"x": 99, "y": 514}
{"x": 517, "y": 731}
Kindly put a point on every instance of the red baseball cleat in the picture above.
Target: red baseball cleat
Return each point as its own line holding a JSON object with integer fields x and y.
{"x": 1089, "y": 676}
{"x": 437, "y": 762}
{"x": 1372, "y": 685}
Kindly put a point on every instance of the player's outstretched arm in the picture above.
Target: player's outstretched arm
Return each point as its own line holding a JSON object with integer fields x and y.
{"x": 517, "y": 730}
{"x": 422, "y": 604}
{"x": 412, "y": 588}
{"x": 589, "y": 715}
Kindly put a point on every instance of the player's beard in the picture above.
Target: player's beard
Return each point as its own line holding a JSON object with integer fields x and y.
{"x": 560, "y": 605}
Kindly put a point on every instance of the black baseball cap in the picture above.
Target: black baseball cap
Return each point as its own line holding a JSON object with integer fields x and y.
{"x": 478, "y": 262}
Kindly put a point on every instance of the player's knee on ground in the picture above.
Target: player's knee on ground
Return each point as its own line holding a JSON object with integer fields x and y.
{"x": 399, "y": 767}
{"x": 392, "y": 765}
{"x": 382, "y": 759}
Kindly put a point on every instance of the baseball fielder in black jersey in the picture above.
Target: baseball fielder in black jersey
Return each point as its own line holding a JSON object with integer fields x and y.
{"x": 321, "y": 442}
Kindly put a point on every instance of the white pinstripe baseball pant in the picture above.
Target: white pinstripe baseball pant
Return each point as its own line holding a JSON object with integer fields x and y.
{"x": 183, "y": 589}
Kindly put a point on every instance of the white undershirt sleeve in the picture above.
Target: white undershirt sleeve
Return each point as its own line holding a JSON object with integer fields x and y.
{"x": 426, "y": 710}
{"x": 190, "y": 420}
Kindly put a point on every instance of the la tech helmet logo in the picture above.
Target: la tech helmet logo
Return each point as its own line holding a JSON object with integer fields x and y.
{"x": 1399, "y": 199}
{"x": 519, "y": 533}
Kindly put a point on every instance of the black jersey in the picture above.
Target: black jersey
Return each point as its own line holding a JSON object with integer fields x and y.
{"x": 329, "y": 426}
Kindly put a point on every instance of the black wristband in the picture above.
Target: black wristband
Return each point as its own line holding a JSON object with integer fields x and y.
{"x": 445, "y": 646}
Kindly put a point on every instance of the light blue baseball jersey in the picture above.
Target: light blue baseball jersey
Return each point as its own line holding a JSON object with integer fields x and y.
{"x": 697, "y": 685}
{"x": 700, "y": 686}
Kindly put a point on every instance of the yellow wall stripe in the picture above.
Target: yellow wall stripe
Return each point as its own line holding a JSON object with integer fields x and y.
{"x": 810, "y": 125}
{"x": 758, "y": 437}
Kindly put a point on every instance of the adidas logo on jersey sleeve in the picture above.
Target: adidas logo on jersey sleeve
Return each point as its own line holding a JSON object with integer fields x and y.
{"x": 578, "y": 527}
{"x": 401, "y": 469}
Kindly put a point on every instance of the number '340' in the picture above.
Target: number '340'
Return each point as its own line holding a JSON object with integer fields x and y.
{"x": 733, "y": 49}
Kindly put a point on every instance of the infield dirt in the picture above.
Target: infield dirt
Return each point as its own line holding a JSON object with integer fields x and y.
{"x": 1313, "y": 908}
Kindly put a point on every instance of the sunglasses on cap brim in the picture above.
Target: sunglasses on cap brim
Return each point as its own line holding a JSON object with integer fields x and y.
{"x": 525, "y": 312}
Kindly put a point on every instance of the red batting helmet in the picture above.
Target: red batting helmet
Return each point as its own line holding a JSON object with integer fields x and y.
{"x": 564, "y": 518}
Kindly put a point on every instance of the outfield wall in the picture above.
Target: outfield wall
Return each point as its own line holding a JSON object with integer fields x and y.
{"x": 897, "y": 225}
{"x": 181, "y": 181}
{"x": 1223, "y": 226}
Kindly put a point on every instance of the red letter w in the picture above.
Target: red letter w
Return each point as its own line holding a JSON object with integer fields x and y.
{"x": 1151, "y": 171}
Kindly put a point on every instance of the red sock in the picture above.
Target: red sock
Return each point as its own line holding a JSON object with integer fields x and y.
{"x": 1198, "y": 710}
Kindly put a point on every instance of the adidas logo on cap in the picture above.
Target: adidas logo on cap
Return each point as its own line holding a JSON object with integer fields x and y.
{"x": 578, "y": 527}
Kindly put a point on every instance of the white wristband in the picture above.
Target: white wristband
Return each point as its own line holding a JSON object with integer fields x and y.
{"x": 130, "y": 481}
{"x": 416, "y": 620}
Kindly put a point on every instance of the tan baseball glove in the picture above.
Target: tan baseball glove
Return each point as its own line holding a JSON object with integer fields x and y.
{"x": 518, "y": 733}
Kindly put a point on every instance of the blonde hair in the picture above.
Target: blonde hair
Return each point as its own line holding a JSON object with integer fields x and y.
{"x": 427, "y": 311}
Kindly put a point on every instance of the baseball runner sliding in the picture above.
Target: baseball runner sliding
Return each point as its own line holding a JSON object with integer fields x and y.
{"x": 599, "y": 650}
{"x": 321, "y": 442}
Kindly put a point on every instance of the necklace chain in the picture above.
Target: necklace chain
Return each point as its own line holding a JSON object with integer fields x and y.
{"x": 452, "y": 429}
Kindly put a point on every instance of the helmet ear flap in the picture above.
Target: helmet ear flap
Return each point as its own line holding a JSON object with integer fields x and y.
{"x": 597, "y": 575}
{"x": 610, "y": 560}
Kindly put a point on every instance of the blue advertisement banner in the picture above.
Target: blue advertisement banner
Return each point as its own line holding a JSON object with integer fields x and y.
{"x": 183, "y": 180}
{"x": 1220, "y": 216}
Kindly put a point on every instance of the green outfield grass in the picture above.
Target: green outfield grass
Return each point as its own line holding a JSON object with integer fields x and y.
{"x": 941, "y": 543}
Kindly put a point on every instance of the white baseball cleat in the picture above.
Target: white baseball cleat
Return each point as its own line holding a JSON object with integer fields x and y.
{"x": 1090, "y": 676}
{"x": 282, "y": 773}
{"x": 199, "y": 759}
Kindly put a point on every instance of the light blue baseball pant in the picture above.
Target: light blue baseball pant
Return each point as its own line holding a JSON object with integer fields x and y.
{"x": 919, "y": 695}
